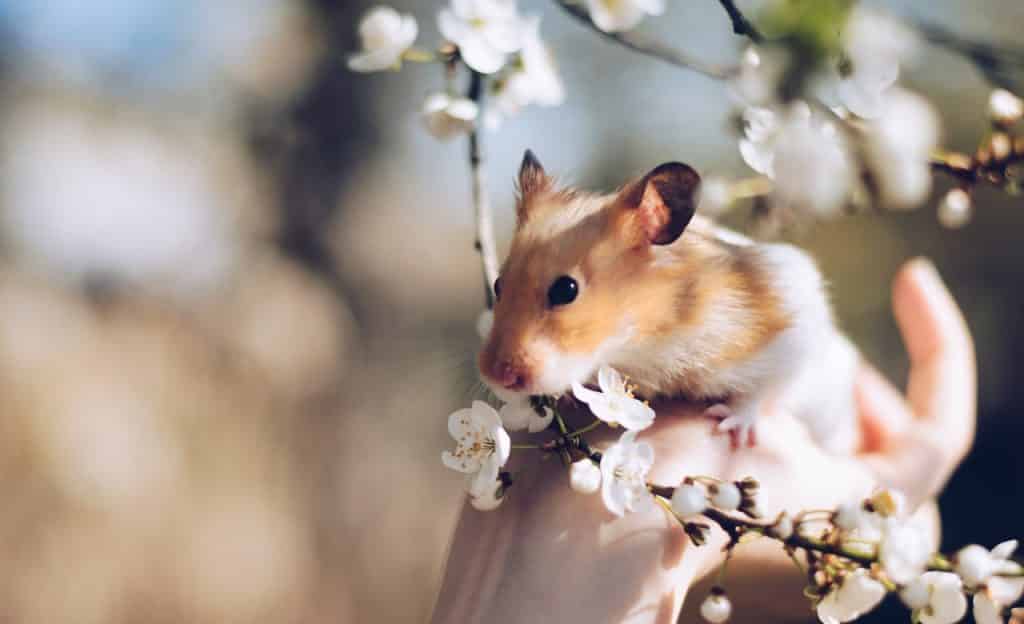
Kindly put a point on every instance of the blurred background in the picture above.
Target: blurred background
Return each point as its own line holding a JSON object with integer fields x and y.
{"x": 238, "y": 293}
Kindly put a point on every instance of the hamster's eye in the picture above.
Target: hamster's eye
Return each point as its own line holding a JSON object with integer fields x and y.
{"x": 563, "y": 291}
{"x": 497, "y": 288}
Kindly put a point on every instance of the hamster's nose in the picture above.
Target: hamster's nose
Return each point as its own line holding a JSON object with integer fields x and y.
{"x": 510, "y": 376}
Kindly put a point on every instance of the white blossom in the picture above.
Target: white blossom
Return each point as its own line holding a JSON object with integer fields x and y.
{"x": 999, "y": 593}
{"x": 534, "y": 79}
{"x": 689, "y": 500}
{"x": 385, "y": 35}
{"x": 615, "y": 403}
{"x": 620, "y": 15}
{"x": 955, "y": 208}
{"x": 1005, "y": 107}
{"x": 486, "y": 31}
{"x": 935, "y": 598}
{"x": 975, "y": 564}
{"x": 856, "y": 594}
{"x": 903, "y": 552}
{"x": 488, "y": 499}
{"x": 805, "y": 155}
{"x": 716, "y": 608}
{"x": 624, "y": 468}
{"x": 726, "y": 496}
{"x": 874, "y": 45}
{"x": 447, "y": 116}
{"x": 584, "y": 476}
{"x": 481, "y": 446}
{"x": 519, "y": 415}
{"x": 898, "y": 146}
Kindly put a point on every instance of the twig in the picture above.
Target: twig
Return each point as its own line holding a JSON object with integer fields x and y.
{"x": 983, "y": 167}
{"x": 736, "y": 527}
{"x": 995, "y": 62}
{"x": 740, "y": 24}
{"x": 484, "y": 244}
{"x": 650, "y": 47}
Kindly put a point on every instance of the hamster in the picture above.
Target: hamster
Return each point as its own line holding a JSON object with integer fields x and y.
{"x": 636, "y": 281}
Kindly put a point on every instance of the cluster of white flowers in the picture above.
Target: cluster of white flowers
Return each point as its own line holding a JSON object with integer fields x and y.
{"x": 934, "y": 597}
{"x": 491, "y": 38}
{"x": 804, "y": 153}
{"x": 819, "y": 159}
{"x": 622, "y": 476}
{"x": 482, "y": 446}
{"x": 978, "y": 567}
{"x": 874, "y": 46}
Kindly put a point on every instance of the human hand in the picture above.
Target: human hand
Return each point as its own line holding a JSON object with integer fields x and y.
{"x": 552, "y": 555}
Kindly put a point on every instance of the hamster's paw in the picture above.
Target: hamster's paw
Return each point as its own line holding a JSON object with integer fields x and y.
{"x": 738, "y": 424}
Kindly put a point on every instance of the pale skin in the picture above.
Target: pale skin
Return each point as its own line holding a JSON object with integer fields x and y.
{"x": 549, "y": 554}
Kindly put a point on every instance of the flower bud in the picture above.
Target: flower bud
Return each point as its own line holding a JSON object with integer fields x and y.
{"x": 725, "y": 496}
{"x": 689, "y": 500}
{"x": 974, "y": 565}
{"x": 585, "y": 476}
{"x": 716, "y": 608}
{"x": 955, "y": 209}
{"x": 1004, "y": 107}
{"x": 783, "y": 527}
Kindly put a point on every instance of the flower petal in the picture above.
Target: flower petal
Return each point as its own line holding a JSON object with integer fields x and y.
{"x": 1003, "y": 550}
{"x": 502, "y": 445}
{"x": 614, "y": 495}
{"x": 634, "y": 414}
{"x": 461, "y": 423}
{"x": 986, "y": 610}
{"x": 485, "y": 416}
{"x": 610, "y": 381}
{"x": 585, "y": 394}
{"x": 451, "y": 27}
{"x": 466, "y": 465}
{"x": 480, "y": 55}
{"x": 485, "y": 478}
{"x": 644, "y": 455}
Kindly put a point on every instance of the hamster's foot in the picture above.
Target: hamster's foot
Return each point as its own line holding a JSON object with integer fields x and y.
{"x": 738, "y": 424}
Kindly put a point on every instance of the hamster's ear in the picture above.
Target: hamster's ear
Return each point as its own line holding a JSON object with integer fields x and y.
{"x": 664, "y": 201}
{"x": 532, "y": 180}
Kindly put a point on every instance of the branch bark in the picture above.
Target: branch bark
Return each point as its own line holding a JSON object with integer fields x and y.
{"x": 740, "y": 24}
{"x": 482, "y": 212}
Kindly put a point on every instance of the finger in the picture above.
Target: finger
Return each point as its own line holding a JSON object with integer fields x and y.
{"x": 941, "y": 389}
{"x": 883, "y": 412}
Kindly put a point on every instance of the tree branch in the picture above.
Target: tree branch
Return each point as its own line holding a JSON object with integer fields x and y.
{"x": 983, "y": 167}
{"x": 996, "y": 63}
{"x": 482, "y": 213}
{"x": 650, "y": 47}
{"x": 740, "y": 24}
